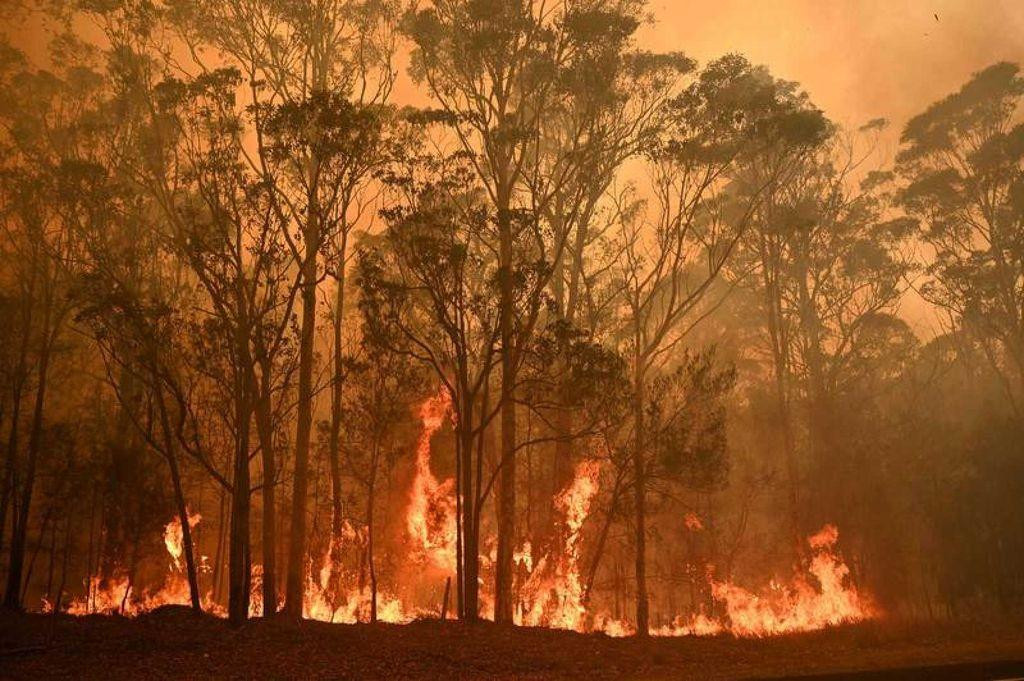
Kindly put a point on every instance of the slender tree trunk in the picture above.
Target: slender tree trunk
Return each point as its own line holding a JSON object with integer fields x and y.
{"x": 561, "y": 465}
{"x": 818, "y": 418}
{"x": 10, "y": 461}
{"x": 179, "y": 500}
{"x": 265, "y": 432}
{"x": 12, "y": 597}
{"x": 63, "y": 566}
{"x": 239, "y": 568}
{"x": 503, "y": 602}
{"x": 11, "y": 458}
{"x": 133, "y": 565}
{"x": 334, "y": 443}
{"x": 602, "y": 540}
{"x": 640, "y": 501}
{"x": 369, "y": 538}
{"x": 218, "y": 553}
{"x": 780, "y": 369}
{"x": 88, "y": 556}
{"x": 470, "y": 511}
{"x": 35, "y": 552}
{"x": 52, "y": 560}
{"x": 294, "y": 586}
{"x": 460, "y": 521}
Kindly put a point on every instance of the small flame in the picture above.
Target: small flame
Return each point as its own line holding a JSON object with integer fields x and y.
{"x": 174, "y": 537}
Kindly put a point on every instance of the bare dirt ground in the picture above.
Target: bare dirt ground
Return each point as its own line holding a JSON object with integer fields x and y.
{"x": 173, "y": 644}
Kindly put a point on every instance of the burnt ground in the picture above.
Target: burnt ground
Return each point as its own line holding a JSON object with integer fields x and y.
{"x": 173, "y": 644}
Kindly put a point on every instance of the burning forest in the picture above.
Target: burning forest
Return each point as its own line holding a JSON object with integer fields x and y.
{"x": 551, "y": 594}
{"x": 558, "y": 328}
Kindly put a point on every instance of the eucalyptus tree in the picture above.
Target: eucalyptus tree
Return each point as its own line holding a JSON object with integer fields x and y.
{"x": 829, "y": 264}
{"x": 670, "y": 255}
{"x": 427, "y": 292}
{"x": 547, "y": 100}
{"x": 611, "y": 111}
{"x": 309, "y": 71}
{"x": 384, "y": 387}
{"x": 963, "y": 162}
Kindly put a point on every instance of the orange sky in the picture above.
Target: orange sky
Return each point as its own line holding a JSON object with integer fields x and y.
{"x": 858, "y": 59}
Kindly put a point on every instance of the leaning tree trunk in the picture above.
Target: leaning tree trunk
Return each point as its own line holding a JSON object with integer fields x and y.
{"x": 602, "y": 540}
{"x": 179, "y": 499}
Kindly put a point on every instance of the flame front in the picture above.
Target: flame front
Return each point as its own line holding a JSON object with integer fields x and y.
{"x": 804, "y": 604}
{"x": 117, "y": 595}
{"x": 551, "y": 589}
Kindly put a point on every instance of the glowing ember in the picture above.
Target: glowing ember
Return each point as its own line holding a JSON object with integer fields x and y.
{"x": 692, "y": 522}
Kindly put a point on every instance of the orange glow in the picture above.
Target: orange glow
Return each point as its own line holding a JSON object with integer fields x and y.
{"x": 430, "y": 519}
{"x": 822, "y": 597}
{"x": 551, "y": 593}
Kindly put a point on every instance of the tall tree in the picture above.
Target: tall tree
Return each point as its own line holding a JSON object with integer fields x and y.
{"x": 499, "y": 70}
{"x": 667, "y": 266}
{"x": 427, "y": 293}
{"x": 828, "y": 266}
{"x": 963, "y": 160}
{"x": 309, "y": 69}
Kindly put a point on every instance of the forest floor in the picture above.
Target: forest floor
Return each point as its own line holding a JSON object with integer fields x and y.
{"x": 173, "y": 644}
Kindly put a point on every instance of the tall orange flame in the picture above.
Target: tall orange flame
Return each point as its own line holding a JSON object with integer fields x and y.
{"x": 551, "y": 594}
{"x": 430, "y": 519}
{"x": 174, "y": 537}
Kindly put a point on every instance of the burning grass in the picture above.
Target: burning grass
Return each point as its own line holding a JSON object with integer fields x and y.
{"x": 551, "y": 594}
